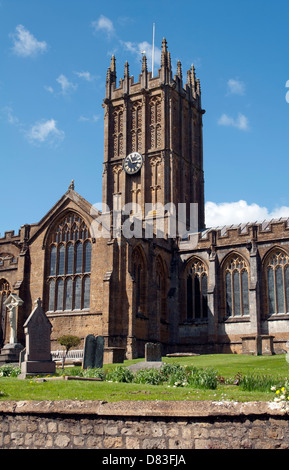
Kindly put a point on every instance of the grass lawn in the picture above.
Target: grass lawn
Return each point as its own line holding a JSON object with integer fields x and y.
{"x": 227, "y": 366}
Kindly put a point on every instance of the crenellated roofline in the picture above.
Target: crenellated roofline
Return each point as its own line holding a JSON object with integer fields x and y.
{"x": 191, "y": 90}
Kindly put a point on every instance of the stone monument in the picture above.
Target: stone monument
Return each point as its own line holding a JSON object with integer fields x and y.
{"x": 153, "y": 358}
{"x": 93, "y": 352}
{"x": 10, "y": 352}
{"x": 153, "y": 352}
{"x": 36, "y": 359}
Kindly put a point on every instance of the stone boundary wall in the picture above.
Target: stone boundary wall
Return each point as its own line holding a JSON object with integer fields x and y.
{"x": 143, "y": 425}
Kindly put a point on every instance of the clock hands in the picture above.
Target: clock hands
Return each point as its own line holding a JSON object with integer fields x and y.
{"x": 133, "y": 162}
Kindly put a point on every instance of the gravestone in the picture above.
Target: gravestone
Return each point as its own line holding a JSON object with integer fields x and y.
{"x": 153, "y": 352}
{"x": 37, "y": 356}
{"x": 10, "y": 352}
{"x": 93, "y": 352}
{"x": 153, "y": 358}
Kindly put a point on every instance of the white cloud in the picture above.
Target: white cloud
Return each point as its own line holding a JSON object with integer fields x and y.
{"x": 103, "y": 24}
{"x": 92, "y": 119}
{"x": 66, "y": 85}
{"x": 138, "y": 48}
{"x": 45, "y": 131}
{"x": 228, "y": 213}
{"x": 86, "y": 76}
{"x": 10, "y": 116}
{"x": 236, "y": 87}
{"x": 241, "y": 122}
{"x": 49, "y": 88}
{"x": 25, "y": 44}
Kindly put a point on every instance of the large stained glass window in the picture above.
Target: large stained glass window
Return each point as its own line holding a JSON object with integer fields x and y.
{"x": 69, "y": 259}
{"x": 277, "y": 278}
{"x": 236, "y": 287}
{"x": 197, "y": 286}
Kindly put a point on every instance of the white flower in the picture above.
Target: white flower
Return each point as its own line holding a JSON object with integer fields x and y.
{"x": 273, "y": 388}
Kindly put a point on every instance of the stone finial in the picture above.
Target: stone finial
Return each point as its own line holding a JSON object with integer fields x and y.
{"x": 169, "y": 60}
{"x": 189, "y": 80}
{"x": 164, "y": 45}
{"x": 112, "y": 64}
{"x": 198, "y": 87}
{"x": 113, "y": 69}
{"x": 193, "y": 81}
{"x": 144, "y": 64}
{"x": 164, "y": 53}
{"x": 126, "y": 69}
{"x": 193, "y": 75}
{"x": 108, "y": 74}
{"x": 71, "y": 186}
{"x": 179, "y": 70}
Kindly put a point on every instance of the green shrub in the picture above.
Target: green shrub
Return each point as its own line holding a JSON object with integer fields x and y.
{"x": 149, "y": 376}
{"x": 120, "y": 374}
{"x": 178, "y": 378}
{"x": 94, "y": 373}
{"x": 172, "y": 369}
{"x": 73, "y": 371}
{"x": 9, "y": 371}
{"x": 203, "y": 378}
{"x": 257, "y": 382}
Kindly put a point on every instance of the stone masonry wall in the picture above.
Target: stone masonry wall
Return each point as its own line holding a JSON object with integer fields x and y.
{"x": 143, "y": 425}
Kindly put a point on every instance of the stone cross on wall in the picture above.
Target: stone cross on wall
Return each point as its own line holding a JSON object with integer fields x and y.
{"x": 12, "y": 303}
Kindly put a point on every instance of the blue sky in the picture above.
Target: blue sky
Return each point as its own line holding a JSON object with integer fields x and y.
{"x": 54, "y": 56}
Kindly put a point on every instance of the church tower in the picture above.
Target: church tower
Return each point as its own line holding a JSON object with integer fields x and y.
{"x": 153, "y": 146}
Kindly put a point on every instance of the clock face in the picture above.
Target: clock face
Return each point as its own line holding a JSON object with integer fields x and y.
{"x": 133, "y": 163}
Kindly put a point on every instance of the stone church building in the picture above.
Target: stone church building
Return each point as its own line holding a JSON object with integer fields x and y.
{"x": 212, "y": 290}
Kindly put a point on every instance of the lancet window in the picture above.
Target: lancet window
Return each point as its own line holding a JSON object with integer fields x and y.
{"x": 196, "y": 287}
{"x": 155, "y": 123}
{"x": 69, "y": 269}
{"x": 161, "y": 297}
{"x": 139, "y": 274}
{"x": 118, "y": 131}
{"x": 136, "y": 128}
{"x": 236, "y": 278}
{"x": 277, "y": 278}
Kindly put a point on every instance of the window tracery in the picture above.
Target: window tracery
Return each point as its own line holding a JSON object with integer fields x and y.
{"x": 155, "y": 123}
{"x": 139, "y": 274}
{"x": 69, "y": 265}
{"x": 7, "y": 259}
{"x": 277, "y": 278}
{"x": 117, "y": 131}
{"x": 197, "y": 286}
{"x": 136, "y": 127}
{"x": 236, "y": 278}
{"x": 161, "y": 297}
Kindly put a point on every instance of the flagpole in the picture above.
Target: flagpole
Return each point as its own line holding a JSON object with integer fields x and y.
{"x": 153, "y": 52}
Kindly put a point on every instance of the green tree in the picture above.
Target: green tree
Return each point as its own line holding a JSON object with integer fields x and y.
{"x": 68, "y": 341}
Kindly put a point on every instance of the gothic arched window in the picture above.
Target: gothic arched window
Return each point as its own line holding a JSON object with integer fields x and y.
{"x": 117, "y": 128}
{"x": 69, "y": 258}
{"x": 161, "y": 297}
{"x": 4, "y": 293}
{"x": 277, "y": 279}
{"x": 155, "y": 122}
{"x": 236, "y": 278}
{"x": 196, "y": 287}
{"x": 139, "y": 274}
